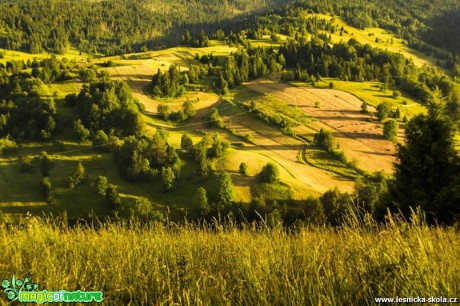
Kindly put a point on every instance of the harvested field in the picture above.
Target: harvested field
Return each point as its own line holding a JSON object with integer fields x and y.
{"x": 339, "y": 112}
{"x": 284, "y": 151}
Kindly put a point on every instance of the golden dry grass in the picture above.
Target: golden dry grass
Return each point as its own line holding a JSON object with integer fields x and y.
{"x": 223, "y": 265}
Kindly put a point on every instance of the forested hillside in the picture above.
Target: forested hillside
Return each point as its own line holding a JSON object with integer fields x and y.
{"x": 429, "y": 26}
{"x": 109, "y": 27}
{"x": 117, "y": 26}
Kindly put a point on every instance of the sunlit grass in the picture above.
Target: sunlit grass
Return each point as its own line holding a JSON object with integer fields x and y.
{"x": 324, "y": 160}
{"x": 371, "y": 94}
{"x": 386, "y": 41}
{"x": 223, "y": 265}
{"x": 72, "y": 54}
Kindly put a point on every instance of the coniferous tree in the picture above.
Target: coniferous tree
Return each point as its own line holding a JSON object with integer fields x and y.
{"x": 77, "y": 177}
{"x": 101, "y": 184}
{"x": 390, "y": 129}
{"x": 427, "y": 173}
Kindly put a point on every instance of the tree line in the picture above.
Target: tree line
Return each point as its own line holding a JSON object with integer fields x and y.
{"x": 108, "y": 27}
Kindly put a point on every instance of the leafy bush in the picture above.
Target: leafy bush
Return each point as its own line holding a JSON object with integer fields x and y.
{"x": 384, "y": 110}
{"x": 390, "y": 129}
{"x": 270, "y": 173}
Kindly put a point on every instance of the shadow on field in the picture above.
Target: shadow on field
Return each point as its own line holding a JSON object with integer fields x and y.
{"x": 272, "y": 147}
{"x": 338, "y": 118}
{"x": 356, "y": 135}
{"x": 343, "y": 111}
{"x": 377, "y": 153}
{"x": 37, "y": 209}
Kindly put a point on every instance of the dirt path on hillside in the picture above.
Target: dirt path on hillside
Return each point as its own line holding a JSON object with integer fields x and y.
{"x": 339, "y": 112}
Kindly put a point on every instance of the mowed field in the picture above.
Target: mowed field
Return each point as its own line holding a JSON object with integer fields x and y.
{"x": 137, "y": 70}
{"x": 285, "y": 151}
{"x": 360, "y": 138}
{"x": 268, "y": 143}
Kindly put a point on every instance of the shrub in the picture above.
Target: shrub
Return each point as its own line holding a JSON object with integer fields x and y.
{"x": 167, "y": 177}
{"x": 215, "y": 120}
{"x": 200, "y": 201}
{"x": 225, "y": 191}
{"x": 186, "y": 142}
{"x": 77, "y": 177}
{"x": 244, "y": 169}
{"x": 46, "y": 164}
{"x": 364, "y": 108}
{"x": 390, "y": 129}
{"x": 163, "y": 111}
{"x": 100, "y": 139}
{"x": 383, "y": 110}
{"x": 270, "y": 173}
{"x": 324, "y": 140}
{"x": 101, "y": 184}
{"x": 112, "y": 197}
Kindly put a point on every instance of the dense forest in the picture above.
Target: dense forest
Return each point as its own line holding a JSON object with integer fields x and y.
{"x": 115, "y": 27}
{"x": 109, "y": 27}
{"x": 419, "y": 22}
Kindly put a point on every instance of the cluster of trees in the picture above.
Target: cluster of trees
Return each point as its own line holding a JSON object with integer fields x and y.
{"x": 187, "y": 111}
{"x": 353, "y": 61}
{"x": 105, "y": 109}
{"x": 140, "y": 158}
{"x": 315, "y": 58}
{"x": 421, "y": 23}
{"x": 23, "y": 113}
{"x": 49, "y": 70}
{"x": 426, "y": 172}
{"x": 202, "y": 40}
{"x": 385, "y": 110}
{"x": 169, "y": 84}
{"x": 244, "y": 65}
{"x": 203, "y": 151}
{"x": 223, "y": 202}
{"x": 325, "y": 141}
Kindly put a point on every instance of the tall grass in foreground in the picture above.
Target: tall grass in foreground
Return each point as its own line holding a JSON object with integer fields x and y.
{"x": 216, "y": 265}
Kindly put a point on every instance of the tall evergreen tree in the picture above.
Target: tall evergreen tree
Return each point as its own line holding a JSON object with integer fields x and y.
{"x": 427, "y": 173}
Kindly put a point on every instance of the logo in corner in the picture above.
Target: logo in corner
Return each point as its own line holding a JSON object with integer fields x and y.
{"x": 14, "y": 287}
{"x": 25, "y": 291}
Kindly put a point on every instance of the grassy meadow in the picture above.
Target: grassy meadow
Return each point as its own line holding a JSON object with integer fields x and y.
{"x": 217, "y": 264}
{"x": 379, "y": 38}
{"x": 72, "y": 54}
